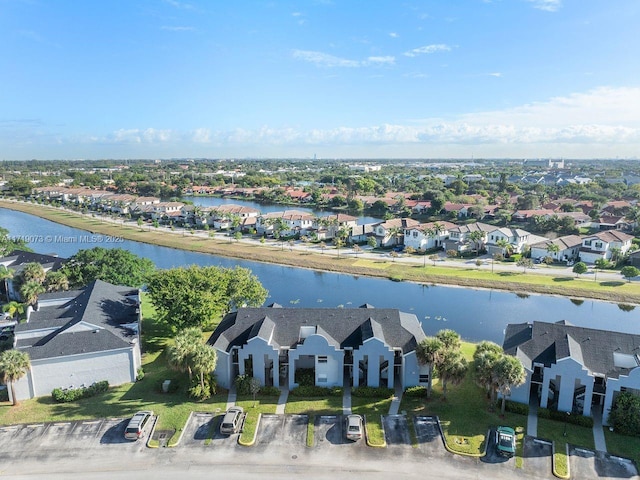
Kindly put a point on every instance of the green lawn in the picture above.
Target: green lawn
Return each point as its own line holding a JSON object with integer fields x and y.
{"x": 314, "y": 405}
{"x": 623, "y": 445}
{"x": 253, "y": 409}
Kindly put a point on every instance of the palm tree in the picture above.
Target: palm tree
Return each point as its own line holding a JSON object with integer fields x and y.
{"x": 29, "y": 292}
{"x": 5, "y": 275}
{"x": 451, "y": 369}
{"x": 14, "y": 365}
{"x": 338, "y": 243}
{"x": 428, "y": 353}
{"x": 32, "y": 272}
{"x": 15, "y": 309}
{"x": 450, "y": 339}
{"x": 56, "y": 282}
{"x": 506, "y": 247}
{"x": 509, "y": 373}
{"x": 395, "y": 233}
{"x": 179, "y": 355}
{"x": 484, "y": 358}
{"x": 203, "y": 360}
{"x": 476, "y": 237}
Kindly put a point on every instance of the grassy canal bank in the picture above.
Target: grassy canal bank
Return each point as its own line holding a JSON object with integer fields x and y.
{"x": 618, "y": 291}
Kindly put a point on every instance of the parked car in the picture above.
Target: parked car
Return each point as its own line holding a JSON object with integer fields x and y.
{"x": 231, "y": 421}
{"x": 398, "y": 248}
{"x": 354, "y": 427}
{"x": 506, "y": 441}
{"x": 137, "y": 424}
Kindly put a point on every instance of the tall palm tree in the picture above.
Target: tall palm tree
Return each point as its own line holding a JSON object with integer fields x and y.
{"x": 509, "y": 373}
{"x": 484, "y": 358}
{"x": 506, "y": 247}
{"x": 179, "y": 355}
{"x": 204, "y": 361}
{"x": 451, "y": 369}
{"x": 29, "y": 292}
{"x": 5, "y": 275}
{"x": 428, "y": 353}
{"x": 32, "y": 272}
{"x": 14, "y": 365}
{"x": 476, "y": 237}
{"x": 395, "y": 233}
{"x": 450, "y": 339}
{"x": 56, "y": 282}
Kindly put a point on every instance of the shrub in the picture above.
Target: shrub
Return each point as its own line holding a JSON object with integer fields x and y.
{"x": 243, "y": 384}
{"x": 514, "y": 407}
{"x": 311, "y": 391}
{"x": 625, "y": 414}
{"x": 72, "y": 394}
{"x": 452, "y": 253}
{"x": 140, "y": 374}
{"x": 574, "y": 419}
{"x": 372, "y": 392}
{"x": 270, "y": 391}
{"x": 202, "y": 392}
{"x": 416, "y": 392}
{"x": 305, "y": 377}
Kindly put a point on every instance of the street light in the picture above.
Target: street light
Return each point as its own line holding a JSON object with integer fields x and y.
{"x": 566, "y": 419}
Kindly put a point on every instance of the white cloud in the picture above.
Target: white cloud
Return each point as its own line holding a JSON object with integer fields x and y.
{"x": 201, "y": 135}
{"x": 428, "y": 49}
{"x": 179, "y": 5}
{"x": 325, "y": 60}
{"x": 546, "y": 5}
{"x": 393, "y": 35}
{"x": 135, "y": 135}
{"x": 495, "y": 74}
{"x": 177, "y": 29}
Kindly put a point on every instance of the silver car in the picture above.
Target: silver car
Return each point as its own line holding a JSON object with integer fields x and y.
{"x": 354, "y": 427}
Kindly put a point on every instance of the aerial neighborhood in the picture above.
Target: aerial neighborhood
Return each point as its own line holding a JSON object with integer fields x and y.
{"x": 105, "y": 323}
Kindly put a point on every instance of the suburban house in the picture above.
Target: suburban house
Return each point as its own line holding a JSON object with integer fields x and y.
{"x": 390, "y": 232}
{"x": 294, "y": 222}
{"x": 427, "y": 236}
{"x": 460, "y": 236}
{"x": 361, "y": 346}
{"x": 327, "y": 227}
{"x": 222, "y": 217}
{"x": 17, "y": 260}
{"x": 517, "y": 238}
{"x": 573, "y": 369}
{"x": 602, "y": 245}
{"x": 568, "y": 248}
{"x": 79, "y": 337}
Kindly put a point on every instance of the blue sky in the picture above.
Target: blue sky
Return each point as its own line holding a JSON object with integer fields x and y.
{"x": 338, "y": 79}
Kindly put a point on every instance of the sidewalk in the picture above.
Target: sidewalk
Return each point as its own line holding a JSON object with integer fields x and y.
{"x": 598, "y": 432}
{"x": 282, "y": 400}
{"x": 346, "y": 397}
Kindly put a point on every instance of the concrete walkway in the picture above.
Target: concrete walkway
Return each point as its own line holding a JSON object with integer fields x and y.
{"x": 598, "y": 432}
{"x": 282, "y": 400}
{"x": 231, "y": 399}
{"x": 346, "y": 396}
{"x": 397, "y": 399}
{"x": 532, "y": 419}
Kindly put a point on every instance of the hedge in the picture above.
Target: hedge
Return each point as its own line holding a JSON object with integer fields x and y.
{"x": 574, "y": 419}
{"x": 514, "y": 407}
{"x": 416, "y": 392}
{"x": 372, "y": 392}
{"x": 314, "y": 391}
{"x": 73, "y": 394}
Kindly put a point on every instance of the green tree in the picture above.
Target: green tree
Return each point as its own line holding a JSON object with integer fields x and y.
{"x": 509, "y": 373}
{"x": 525, "y": 263}
{"x": 371, "y": 241}
{"x": 5, "y": 275}
{"x": 451, "y": 369}
{"x": 506, "y": 247}
{"x": 428, "y": 353}
{"x": 580, "y": 268}
{"x": 484, "y": 359}
{"x": 553, "y": 249}
{"x": 56, "y": 281}
{"x": 629, "y": 272}
{"x": 14, "y": 309}
{"x": 450, "y": 339}
{"x": 476, "y": 237}
{"x": 112, "y": 265}
{"x": 14, "y": 365}
{"x": 204, "y": 361}
{"x": 32, "y": 272}
{"x": 194, "y": 296}
{"x": 180, "y": 353}
{"x": 625, "y": 414}
{"x": 29, "y": 292}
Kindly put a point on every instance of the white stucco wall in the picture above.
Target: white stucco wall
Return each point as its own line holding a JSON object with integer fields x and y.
{"x": 568, "y": 371}
{"x": 258, "y": 348}
{"x": 411, "y": 370}
{"x": 223, "y": 369}
{"x": 614, "y": 385}
{"x": 376, "y": 352}
{"x": 117, "y": 366}
{"x": 316, "y": 345}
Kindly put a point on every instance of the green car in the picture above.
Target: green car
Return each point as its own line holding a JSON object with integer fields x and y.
{"x": 506, "y": 441}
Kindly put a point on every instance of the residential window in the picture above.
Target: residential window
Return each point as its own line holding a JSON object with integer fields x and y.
{"x": 415, "y": 234}
{"x": 599, "y": 245}
{"x": 322, "y": 359}
{"x": 322, "y": 378}
{"x": 587, "y": 243}
{"x": 424, "y": 378}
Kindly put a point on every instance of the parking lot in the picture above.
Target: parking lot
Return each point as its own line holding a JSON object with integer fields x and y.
{"x": 537, "y": 457}
{"x": 589, "y": 464}
{"x": 396, "y": 430}
{"x": 279, "y": 430}
{"x": 428, "y": 435}
{"x": 329, "y": 431}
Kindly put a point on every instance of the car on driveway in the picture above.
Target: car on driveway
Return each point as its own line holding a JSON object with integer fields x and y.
{"x": 231, "y": 421}
{"x": 506, "y": 441}
{"x": 354, "y": 427}
{"x": 137, "y": 424}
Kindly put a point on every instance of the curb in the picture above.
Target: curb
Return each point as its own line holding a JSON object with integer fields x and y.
{"x": 553, "y": 461}
{"x": 366, "y": 432}
{"x": 150, "y": 437}
{"x": 454, "y": 452}
{"x": 255, "y": 434}
{"x": 177, "y": 442}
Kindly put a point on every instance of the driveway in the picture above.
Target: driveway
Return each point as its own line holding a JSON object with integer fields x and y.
{"x": 589, "y": 464}
{"x": 199, "y": 427}
{"x": 537, "y": 455}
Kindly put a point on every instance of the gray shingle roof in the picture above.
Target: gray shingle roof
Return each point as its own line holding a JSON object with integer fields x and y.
{"x": 19, "y": 258}
{"x": 546, "y": 343}
{"x": 343, "y": 327}
{"x": 68, "y": 326}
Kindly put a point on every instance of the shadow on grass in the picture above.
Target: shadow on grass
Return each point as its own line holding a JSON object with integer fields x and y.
{"x": 562, "y": 279}
{"x": 612, "y": 284}
{"x": 508, "y": 274}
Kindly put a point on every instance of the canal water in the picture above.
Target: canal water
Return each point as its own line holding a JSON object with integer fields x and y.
{"x": 475, "y": 314}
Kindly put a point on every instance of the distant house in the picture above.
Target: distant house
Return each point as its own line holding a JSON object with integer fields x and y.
{"x": 326, "y": 227}
{"x": 391, "y": 232}
{"x": 80, "y": 337}
{"x": 568, "y": 248}
{"x": 459, "y": 236}
{"x": 371, "y": 346}
{"x": 17, "y": 260}
{"x": 427, "y": 236}
{"x": 602, "y": 244}
{"x": 527, "y": 215}
{"x": 573, "y": 369}
{"x": 516, "y": 237}
{"x": 611, "y": 222}
{"x": 294, "y": 221}
{"x": 222, "y": 216}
